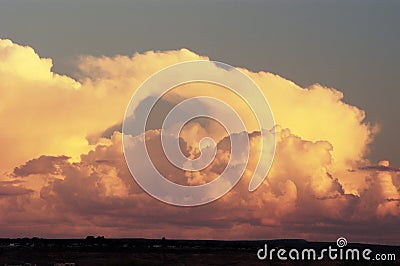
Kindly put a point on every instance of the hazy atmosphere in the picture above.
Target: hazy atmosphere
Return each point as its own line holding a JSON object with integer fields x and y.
{"x": 329, "y": 70}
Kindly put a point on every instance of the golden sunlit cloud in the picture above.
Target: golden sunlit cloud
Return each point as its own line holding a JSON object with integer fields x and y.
{"x": 62, "y": 161}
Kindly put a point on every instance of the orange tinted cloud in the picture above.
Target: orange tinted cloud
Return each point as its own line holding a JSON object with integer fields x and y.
{"x": 320, "y": 184}
{"x": 46, "y": 113}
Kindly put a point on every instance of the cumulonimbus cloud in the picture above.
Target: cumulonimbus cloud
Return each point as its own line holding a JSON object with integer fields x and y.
{"x": 59, "y": 167}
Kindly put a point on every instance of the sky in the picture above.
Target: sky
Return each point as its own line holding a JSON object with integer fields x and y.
{"x": 329, "y": 70}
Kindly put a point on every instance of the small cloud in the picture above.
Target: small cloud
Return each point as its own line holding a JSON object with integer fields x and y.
{"x": 13, "y": 191}
{"x": 42, "y": 165}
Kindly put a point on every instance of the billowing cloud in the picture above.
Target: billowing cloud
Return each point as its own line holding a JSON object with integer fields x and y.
{"x": 65, "y": 165}
{"x": 43, "y": 113}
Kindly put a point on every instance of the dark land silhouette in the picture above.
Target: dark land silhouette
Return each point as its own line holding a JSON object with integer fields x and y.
{"x": 137, "y": 251}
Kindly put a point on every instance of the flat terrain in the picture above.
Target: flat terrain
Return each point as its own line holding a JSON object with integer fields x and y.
{"x": 100, "y": 251}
